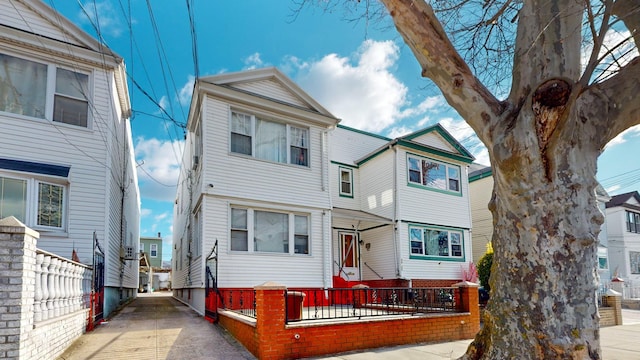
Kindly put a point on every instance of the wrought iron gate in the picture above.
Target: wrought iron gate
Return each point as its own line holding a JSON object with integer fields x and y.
{"x": 212, "y": 295}
{"x": 96, "y": 314}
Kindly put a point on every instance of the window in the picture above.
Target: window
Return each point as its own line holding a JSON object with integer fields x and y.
{"x": 239, "y": 232}
{"x": 603, "y": 259}
{"x": 269, "y": 140}
{"x": 436, "y": 242}
{"x": 25, "y": 90}
{"x": 141, "y": 247}
{"x": 633, "y": 222}
{"x": 272, "y": 232}
{"x": 346, "y": 182}
{"x": 153, "y": 250}
{"x": 433, "y": 174}
{"x": 33, "y": 202}
{"x": 634, "y": 262}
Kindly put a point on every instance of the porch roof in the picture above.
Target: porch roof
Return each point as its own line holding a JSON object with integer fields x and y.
{"x": 348, "y": 214}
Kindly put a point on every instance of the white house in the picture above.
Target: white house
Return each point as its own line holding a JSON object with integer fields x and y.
{"x": 289, "y": 196}
{"x": 623, "y": 229}
{"x": 66, "y": 162}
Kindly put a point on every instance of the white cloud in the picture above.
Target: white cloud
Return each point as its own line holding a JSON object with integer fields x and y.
{"x": 631, "y": 132}
{"x": 361, "y": 89}
{"x": 612, "y": 189}
{"x": 399, "y": 131}
{"x": 161, "y": 216}
{"x": 160, "y": 167}
{"x": 184, "y": 96}
{"x": 145, "y": 212}
{"x": 253, "y": 61}
{"x": 103, "y": 15}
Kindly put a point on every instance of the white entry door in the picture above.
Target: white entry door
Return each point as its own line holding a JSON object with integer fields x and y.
{"x": 349, "y": 256}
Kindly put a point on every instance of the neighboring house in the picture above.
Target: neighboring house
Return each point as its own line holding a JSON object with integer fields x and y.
{"x": 289, "y": 196}
{"x": 152, "y": 247}
{"x": 66, "y": 162}
{"x": 481, "y": 188}
{"x": 623, "y": 229}
{"x": 150, "y": 262}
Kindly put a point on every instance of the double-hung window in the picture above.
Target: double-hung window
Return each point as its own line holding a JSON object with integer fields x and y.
{"x": 43, "y": 91}
{"x": 633, "y": 222}
{"x": 33, "y": 201}
{"x": 270, "y": 231}
{"x": 153, "y": 249}
{"x": 269, "y": 140}
{"x": 435, "y": 242}
{"x": 346, "y": 182}
{"x": 433, "y": 174}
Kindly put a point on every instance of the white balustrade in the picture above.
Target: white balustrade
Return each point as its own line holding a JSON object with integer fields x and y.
{"x": 62, "y": 286}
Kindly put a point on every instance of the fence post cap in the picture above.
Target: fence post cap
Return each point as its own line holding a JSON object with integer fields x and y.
{"x": 12, "y": 225}
{"x": 617, "y": 279}
{"x": 360, "y": 286}
{"x": 270, "y": 285}
{"x": 611, "y": 292}
{"x": 465, "y": 284}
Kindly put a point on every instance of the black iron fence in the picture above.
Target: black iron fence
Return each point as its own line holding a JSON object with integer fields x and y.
{"x": 242, "y": 301}
{"x": 312, "y": 304}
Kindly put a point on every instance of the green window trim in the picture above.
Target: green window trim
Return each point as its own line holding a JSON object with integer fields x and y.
{"x": 420, "y": 246}
{"x": 348, "y": 182}
{"x": 449, "y": 179}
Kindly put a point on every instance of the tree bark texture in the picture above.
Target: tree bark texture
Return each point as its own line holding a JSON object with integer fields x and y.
{"x": 543, "y": 142}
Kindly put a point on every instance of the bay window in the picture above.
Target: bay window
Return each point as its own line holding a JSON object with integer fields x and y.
{"x": 25, "y": 89}
{"x": 433, "y": 174}
{"x": 269, "y": 140}
{"x": 633, "y": 222}
{"x": 272, "y": 232}
{"x": 34, "y": 202}
{"x": 436, "y": 242}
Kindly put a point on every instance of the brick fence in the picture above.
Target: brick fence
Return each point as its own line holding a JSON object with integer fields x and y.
{"x": 22, "y": 336}
{"x": 269, "y": 338}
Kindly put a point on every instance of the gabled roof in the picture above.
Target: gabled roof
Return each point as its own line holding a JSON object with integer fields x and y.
{"x": 438, "y": 129}
{"x": 234, "y": 79}
{"x": 479, "y": 171}
{"x": 61, "y": 28}
{"x": 623, "y": 199}
{"x": 408, "y": 141}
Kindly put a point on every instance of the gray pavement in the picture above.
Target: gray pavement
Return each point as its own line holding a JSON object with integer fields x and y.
{"x": 155, "y": 326}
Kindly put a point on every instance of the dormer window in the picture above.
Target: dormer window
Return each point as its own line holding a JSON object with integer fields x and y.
{"x": 269, "y": 140}
{"x": 432, "y": 174}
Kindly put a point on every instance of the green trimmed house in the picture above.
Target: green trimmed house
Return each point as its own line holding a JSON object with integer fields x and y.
{"x": 273, "y": 189}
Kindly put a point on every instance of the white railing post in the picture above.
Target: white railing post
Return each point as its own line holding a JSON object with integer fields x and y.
{"x": 77, "y": 290}
{"x": 45, "y": 287}
{"x": 67, "y": 287}
{"x": 37, "y": 316}
{"x": 56, "y": 286}
{"x": 52, "y": 287}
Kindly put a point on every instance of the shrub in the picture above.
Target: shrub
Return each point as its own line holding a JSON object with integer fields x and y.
{"x": 484, "y": 267}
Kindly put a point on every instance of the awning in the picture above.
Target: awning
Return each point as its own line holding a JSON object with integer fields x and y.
{"x": 366, "y": 220}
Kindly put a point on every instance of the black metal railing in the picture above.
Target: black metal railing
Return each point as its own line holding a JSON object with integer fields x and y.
{"x": 242, "y": 301}
{"x": 368, "y": 302}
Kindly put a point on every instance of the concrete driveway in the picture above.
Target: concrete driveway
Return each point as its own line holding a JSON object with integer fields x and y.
{"x": 155, "y": 326}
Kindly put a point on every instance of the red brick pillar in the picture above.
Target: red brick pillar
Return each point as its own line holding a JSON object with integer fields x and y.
{"x": 469, "y": 302}
{"x": 270, "y": 321}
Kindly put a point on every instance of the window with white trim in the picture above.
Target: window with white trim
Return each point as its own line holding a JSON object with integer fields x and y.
{"x": 153, "y": 250}
{"x": 346, "y": 182}
{"x": 603, "y": 258}
{"x": 433, "y": 174}
{"x": 271, "y": 231}
{"x": 633, "y": 222}
{"x": 33, "y": 201}
{"x": 269, "y": 140}
{"x": 43, "y": 91}
{"x": 436, "y": 242}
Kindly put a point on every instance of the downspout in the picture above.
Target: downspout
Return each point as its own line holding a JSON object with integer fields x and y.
{"x": 123, "y": 190}
{"x": 326, "y": 236}
{"x": 395, "y": 209}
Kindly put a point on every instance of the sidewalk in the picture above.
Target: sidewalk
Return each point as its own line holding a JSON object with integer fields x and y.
{"x": 617, "y": 343}
{"x": 155, "y": 326}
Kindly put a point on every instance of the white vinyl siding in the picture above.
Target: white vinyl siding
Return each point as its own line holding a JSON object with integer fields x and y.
{"x": 377, "y": 193}
{"x": 19, "y": 16}
{"x": 274, "y": 89}
{"x": 433, "y": 139}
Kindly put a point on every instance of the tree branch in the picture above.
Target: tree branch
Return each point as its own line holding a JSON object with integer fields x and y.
{"x": 614, "y": 102}
{"x": 598, "y": 40}
{"x": 629, "y": 12}
{"x": 440, "y": 62}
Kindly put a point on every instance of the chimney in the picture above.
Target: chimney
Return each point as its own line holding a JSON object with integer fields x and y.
{"x": 159, "y": 234}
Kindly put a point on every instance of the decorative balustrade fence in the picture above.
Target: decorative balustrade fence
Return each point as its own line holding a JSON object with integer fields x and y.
{"x": 62, "y": 286}
{"x": 242, "y": 301}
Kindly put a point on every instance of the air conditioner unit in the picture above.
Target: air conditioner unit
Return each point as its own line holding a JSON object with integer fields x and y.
{"x": 196, "y": 162}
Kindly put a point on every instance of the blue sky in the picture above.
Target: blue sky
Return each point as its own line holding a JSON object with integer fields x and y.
{"x": 362, "y": 74}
